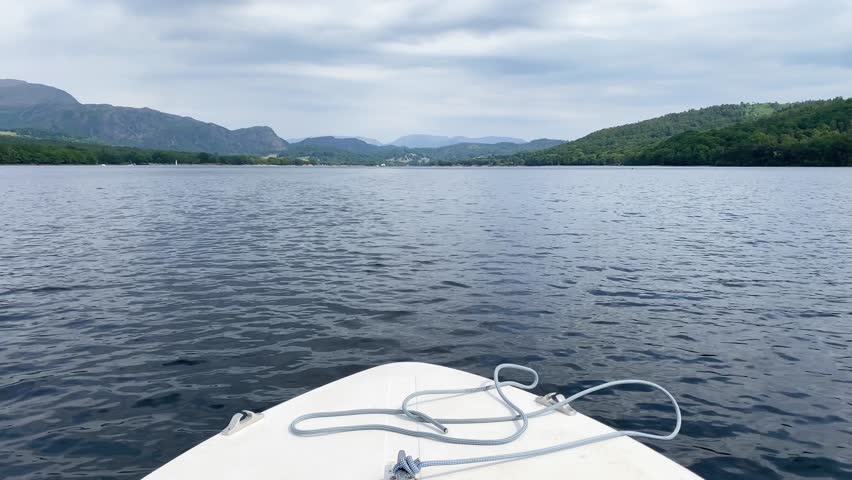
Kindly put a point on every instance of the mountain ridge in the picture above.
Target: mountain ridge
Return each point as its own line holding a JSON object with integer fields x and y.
{"x": 41, "y": 107}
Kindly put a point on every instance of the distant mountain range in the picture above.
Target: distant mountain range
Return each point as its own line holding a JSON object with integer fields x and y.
{"x": 422, "y": 141}
{"x": 42, "y": 124}
{"x": 353, "y": 150}
{"x": 40, "y": 107}
{"x": 812, "y": 133}
{"x": 437, "y": 141}
{"x": 43, "y": 108}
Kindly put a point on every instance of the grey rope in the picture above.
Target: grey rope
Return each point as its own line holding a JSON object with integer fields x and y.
{"x": 412, "y": 466}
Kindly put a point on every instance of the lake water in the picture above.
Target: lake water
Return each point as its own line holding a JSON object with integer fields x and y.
{"x": 140, "y": 307}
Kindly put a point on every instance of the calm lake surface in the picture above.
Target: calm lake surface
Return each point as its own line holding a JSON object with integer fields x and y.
{"x": 140, "y": 307}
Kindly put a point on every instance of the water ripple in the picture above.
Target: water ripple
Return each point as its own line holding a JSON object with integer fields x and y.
{"x": 141, "y": 307}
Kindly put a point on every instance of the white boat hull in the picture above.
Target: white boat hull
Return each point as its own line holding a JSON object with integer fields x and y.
{"x": 267, "y": 450}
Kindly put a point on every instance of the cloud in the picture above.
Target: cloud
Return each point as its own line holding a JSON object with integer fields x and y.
{"x": 386, "y": 68}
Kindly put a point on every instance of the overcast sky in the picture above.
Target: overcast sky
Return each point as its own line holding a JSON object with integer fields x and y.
{"x": 382, "y": 69}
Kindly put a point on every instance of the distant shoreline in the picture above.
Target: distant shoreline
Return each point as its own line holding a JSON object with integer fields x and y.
{"x": 419, "y": 167}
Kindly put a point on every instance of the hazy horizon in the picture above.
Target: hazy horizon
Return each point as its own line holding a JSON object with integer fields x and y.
{"x": 384, "y": 70}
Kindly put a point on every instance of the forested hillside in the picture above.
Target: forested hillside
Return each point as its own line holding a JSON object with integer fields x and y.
{"x": 813, "y": 133}
{"x": 613, "y": 146}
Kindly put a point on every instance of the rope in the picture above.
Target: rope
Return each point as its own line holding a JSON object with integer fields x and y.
{"x": 412, "y": 466}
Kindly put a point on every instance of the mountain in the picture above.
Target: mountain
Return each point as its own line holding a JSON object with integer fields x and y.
{"x": 617, "y": 144}
{"x": 371, "y": 141}
{"x": 811, "y": 133}
{"x": 349, "y": 144}
{"x": 437, "y": 141}
{"x": 540, "y": 144}
{"x": 31, "y": 106}
{"x": 343, "y": 151}
{"x": 20, "y": 94}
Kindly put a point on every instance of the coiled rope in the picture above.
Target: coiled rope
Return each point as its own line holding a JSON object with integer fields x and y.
{"x": 412, "y": 466}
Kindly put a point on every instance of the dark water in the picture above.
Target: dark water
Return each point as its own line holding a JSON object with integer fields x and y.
{"x": 141, "y": 306}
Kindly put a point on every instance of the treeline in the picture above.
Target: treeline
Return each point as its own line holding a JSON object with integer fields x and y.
{"x": 22, "y": 150}
{"x": 809, "y": 134}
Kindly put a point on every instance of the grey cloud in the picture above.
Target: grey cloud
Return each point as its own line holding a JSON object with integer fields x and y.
{"x": 383, "y": 69}
{"x": 171, "y": 7}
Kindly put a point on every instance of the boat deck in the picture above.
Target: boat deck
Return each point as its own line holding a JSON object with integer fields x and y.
{"x": 266, "y": 450}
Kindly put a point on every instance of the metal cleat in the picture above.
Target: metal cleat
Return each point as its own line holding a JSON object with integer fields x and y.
{"x": 554, "y": 398}
{"x": 240, "y": 421}
{"x": 390, "y": 475}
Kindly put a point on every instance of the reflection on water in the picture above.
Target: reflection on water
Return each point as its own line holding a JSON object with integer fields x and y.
{"x": 141, "y": 307}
